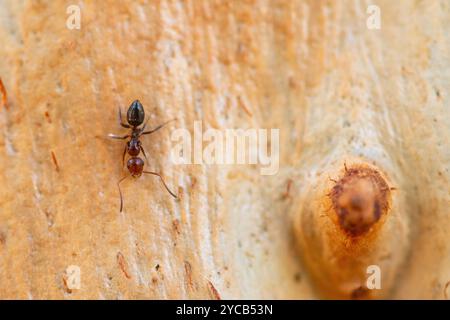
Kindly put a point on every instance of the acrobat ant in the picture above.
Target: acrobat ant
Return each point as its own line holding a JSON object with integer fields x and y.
{"x": 135, "y": 165}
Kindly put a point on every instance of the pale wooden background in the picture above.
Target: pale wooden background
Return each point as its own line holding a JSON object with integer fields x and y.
{"x": 336, "y": 90}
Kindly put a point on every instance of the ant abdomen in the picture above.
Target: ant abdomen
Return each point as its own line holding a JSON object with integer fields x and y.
{"x": 135, "y": 165}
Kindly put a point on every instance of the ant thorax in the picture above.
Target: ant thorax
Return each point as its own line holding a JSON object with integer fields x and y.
{"x": 133, "y": 147}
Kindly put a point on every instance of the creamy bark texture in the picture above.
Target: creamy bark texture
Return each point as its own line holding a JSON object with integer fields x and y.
{"x": 340, "y": 93}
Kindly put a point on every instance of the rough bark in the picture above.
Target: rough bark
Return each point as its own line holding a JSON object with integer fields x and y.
{"x": 339, "y": 92}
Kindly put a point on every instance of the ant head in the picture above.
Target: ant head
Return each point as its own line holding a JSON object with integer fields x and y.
{"x": 135, "y": 114}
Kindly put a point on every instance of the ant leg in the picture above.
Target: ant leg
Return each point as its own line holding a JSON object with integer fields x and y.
{"x": 123, "y": 156}
{"x": 157, "y": 174}
{"x": 121, "y": 122}
{"x": 143, "y": 152}
{"x": 120, "y": 192}
{"x": 118, "y": 137}
{"x": 143, "y": 127}
{"x": 157, "y": 128}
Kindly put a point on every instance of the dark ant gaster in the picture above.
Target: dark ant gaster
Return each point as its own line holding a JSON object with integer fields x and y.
{"x": 135, "y": 165}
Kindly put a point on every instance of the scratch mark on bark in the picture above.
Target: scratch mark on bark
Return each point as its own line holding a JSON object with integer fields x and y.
{"x": 446, "y": 289}
{"x": 55, "y": 161}
{"x": 123, "y": 265}
{"x": 47, "y": 116}
{"x": 4, "y": 95}
{"x": 215, "y": 294}
{"x": 243, "y": 105}
{"x": 287, "y": 193}
{"x": 188, "y": 270}
{"x": 176, "y": 226}
{"x": 65, "y": 284}
{"x": 2, "y": 237}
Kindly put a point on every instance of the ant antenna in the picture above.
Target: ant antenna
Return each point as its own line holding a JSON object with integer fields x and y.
{"x": 120, "y": 192}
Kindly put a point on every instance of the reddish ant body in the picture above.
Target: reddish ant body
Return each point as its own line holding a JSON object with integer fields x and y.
{"x": 135, "y": 165}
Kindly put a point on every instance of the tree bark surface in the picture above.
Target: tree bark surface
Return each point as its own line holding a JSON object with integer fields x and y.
{"x": 336, "y": 90}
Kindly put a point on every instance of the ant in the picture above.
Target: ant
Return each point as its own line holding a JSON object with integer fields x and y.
{"x": 135, "y": 165}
